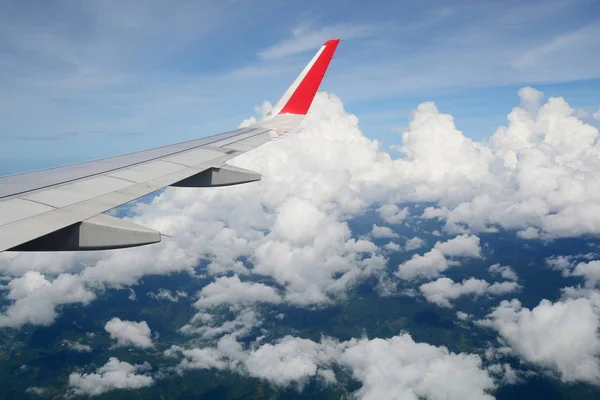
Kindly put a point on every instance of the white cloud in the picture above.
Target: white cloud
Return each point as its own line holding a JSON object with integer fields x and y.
{"x": 386, "y": 368}
{"x": 203, "y": 324}
{"x": 38, "y": 391}
{"x": 529, "y": 233}
{"x": 232, "y": 291}
{"x": 561, "y": 336}
{"x": 199, "y": 358}
{"x": 434, "y": 262}
{"x": 501, "y": 288}
{"x": 428, "y": 265}
{"x": 29, "y": 283}
{"x": 391, "y": 246}
{"x": 463, "y": 316}
{"x": 540, "y": 172}
{"x": 113, "y": 375}
{"x": 291, "y": 360}
{"x": 414, "y": 243}
{"x": 569, "y": 266}
{"x": 597, "y": 114}
{"x": 443, "y": 290}
{"x": 504, "y": 374}
{"x": 77, "y": 346}
{"x": 404, "y": 369}
{"x": 165, "y": 294}
{"x": 531, "y": 99}
{"x": 129, "y": 333}
{"x": 546, "y": 157}
{"x": 590, "y": 271}
{"x": 504, "y": 271}
{"x": 460, "y": 246}
{"x": 36, "y": 298}
{"x": 559, "y": 263}
{"x": 392, "y": 214}
{"x": 379, "y": 232}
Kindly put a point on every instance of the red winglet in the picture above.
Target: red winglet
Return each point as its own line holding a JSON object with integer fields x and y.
{"x": 300, "y": 101}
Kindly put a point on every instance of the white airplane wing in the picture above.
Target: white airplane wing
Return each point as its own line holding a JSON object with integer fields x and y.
{"x": 60, "y": 209}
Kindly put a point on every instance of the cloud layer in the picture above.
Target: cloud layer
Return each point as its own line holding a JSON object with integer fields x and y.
{"x": 287, "y": 240}
{"x": 114, "y": 374}
{"x": 387, "y": 368}
{"x": 292, "y": 227}
{"x": 443, "y": 290}
{"x": 560, "y": 336}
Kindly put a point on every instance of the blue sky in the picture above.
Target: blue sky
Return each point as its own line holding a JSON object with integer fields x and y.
{"x": 81, "y": 80}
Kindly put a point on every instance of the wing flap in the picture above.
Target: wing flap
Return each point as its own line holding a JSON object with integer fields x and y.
{"x": 18, "y": 209}
{"x": 101, "y": 232}
{"x": 76, "y": 192}
{"x": 195, "y": 157}
{"x": 46, "y": 221}
{"x": 248, "y": 144}
{"x": 147, "y": 171}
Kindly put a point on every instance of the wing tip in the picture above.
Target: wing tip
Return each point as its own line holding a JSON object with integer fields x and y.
{"x": 301, "y": 99}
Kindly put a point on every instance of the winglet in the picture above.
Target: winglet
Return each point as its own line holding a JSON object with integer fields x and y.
{"x": 298, "y": 98}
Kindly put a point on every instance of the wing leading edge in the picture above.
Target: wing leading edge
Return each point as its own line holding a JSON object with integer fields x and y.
{"x": 59, "y": 209}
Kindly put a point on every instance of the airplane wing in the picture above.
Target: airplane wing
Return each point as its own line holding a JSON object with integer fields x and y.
{"x": 60, "y": 209}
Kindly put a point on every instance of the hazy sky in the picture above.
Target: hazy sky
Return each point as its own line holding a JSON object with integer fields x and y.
{"x": 82, "y": 80}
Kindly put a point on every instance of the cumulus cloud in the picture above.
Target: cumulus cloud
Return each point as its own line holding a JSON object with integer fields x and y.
{"x": 291, "y": 360}
{"x": 414, "y": 243}
{"x": 572, "y": 265}
{"x": 531, "y": 99}
{"x": 504, "y": 271}
{"x": 129, "y": 333}
{"x": 386, "y": 368}
{"x": 114, "y": 374}
{"x": 428, "y": 265}
{"x": 164, "y": 294}
{"x": 379, "y": 232}
{"x": 401, "y": 367}
{"x": 77, "y": 346}
{"x": 392, "y": 214}
{"x": 291, "y": 226}
{"x": 391, "y": 246}
{"x": 36, "y": 298}
{"x": 560, "y": 336}
{"x": 434, "y": 262}
{"x": 537, "y": 175}
{"x": 442, "y": 290}
{"x": 559, "y": 263}
{"x": 232, "y": 291}
{"x": 504, "y": 373}
{"x": 590, "y": 271}
{"x": 463, "y": 316}
{"x": 204, "y": 325}
{"x": 460, "y": 246}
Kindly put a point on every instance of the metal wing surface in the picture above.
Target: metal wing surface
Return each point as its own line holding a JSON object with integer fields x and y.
{"x": 61, "y": 209}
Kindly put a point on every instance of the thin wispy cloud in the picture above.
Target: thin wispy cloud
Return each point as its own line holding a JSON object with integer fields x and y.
{"x": 307, "y": 39}
{"x": 181, "y": 70}
{"x": 578, "y": 41}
